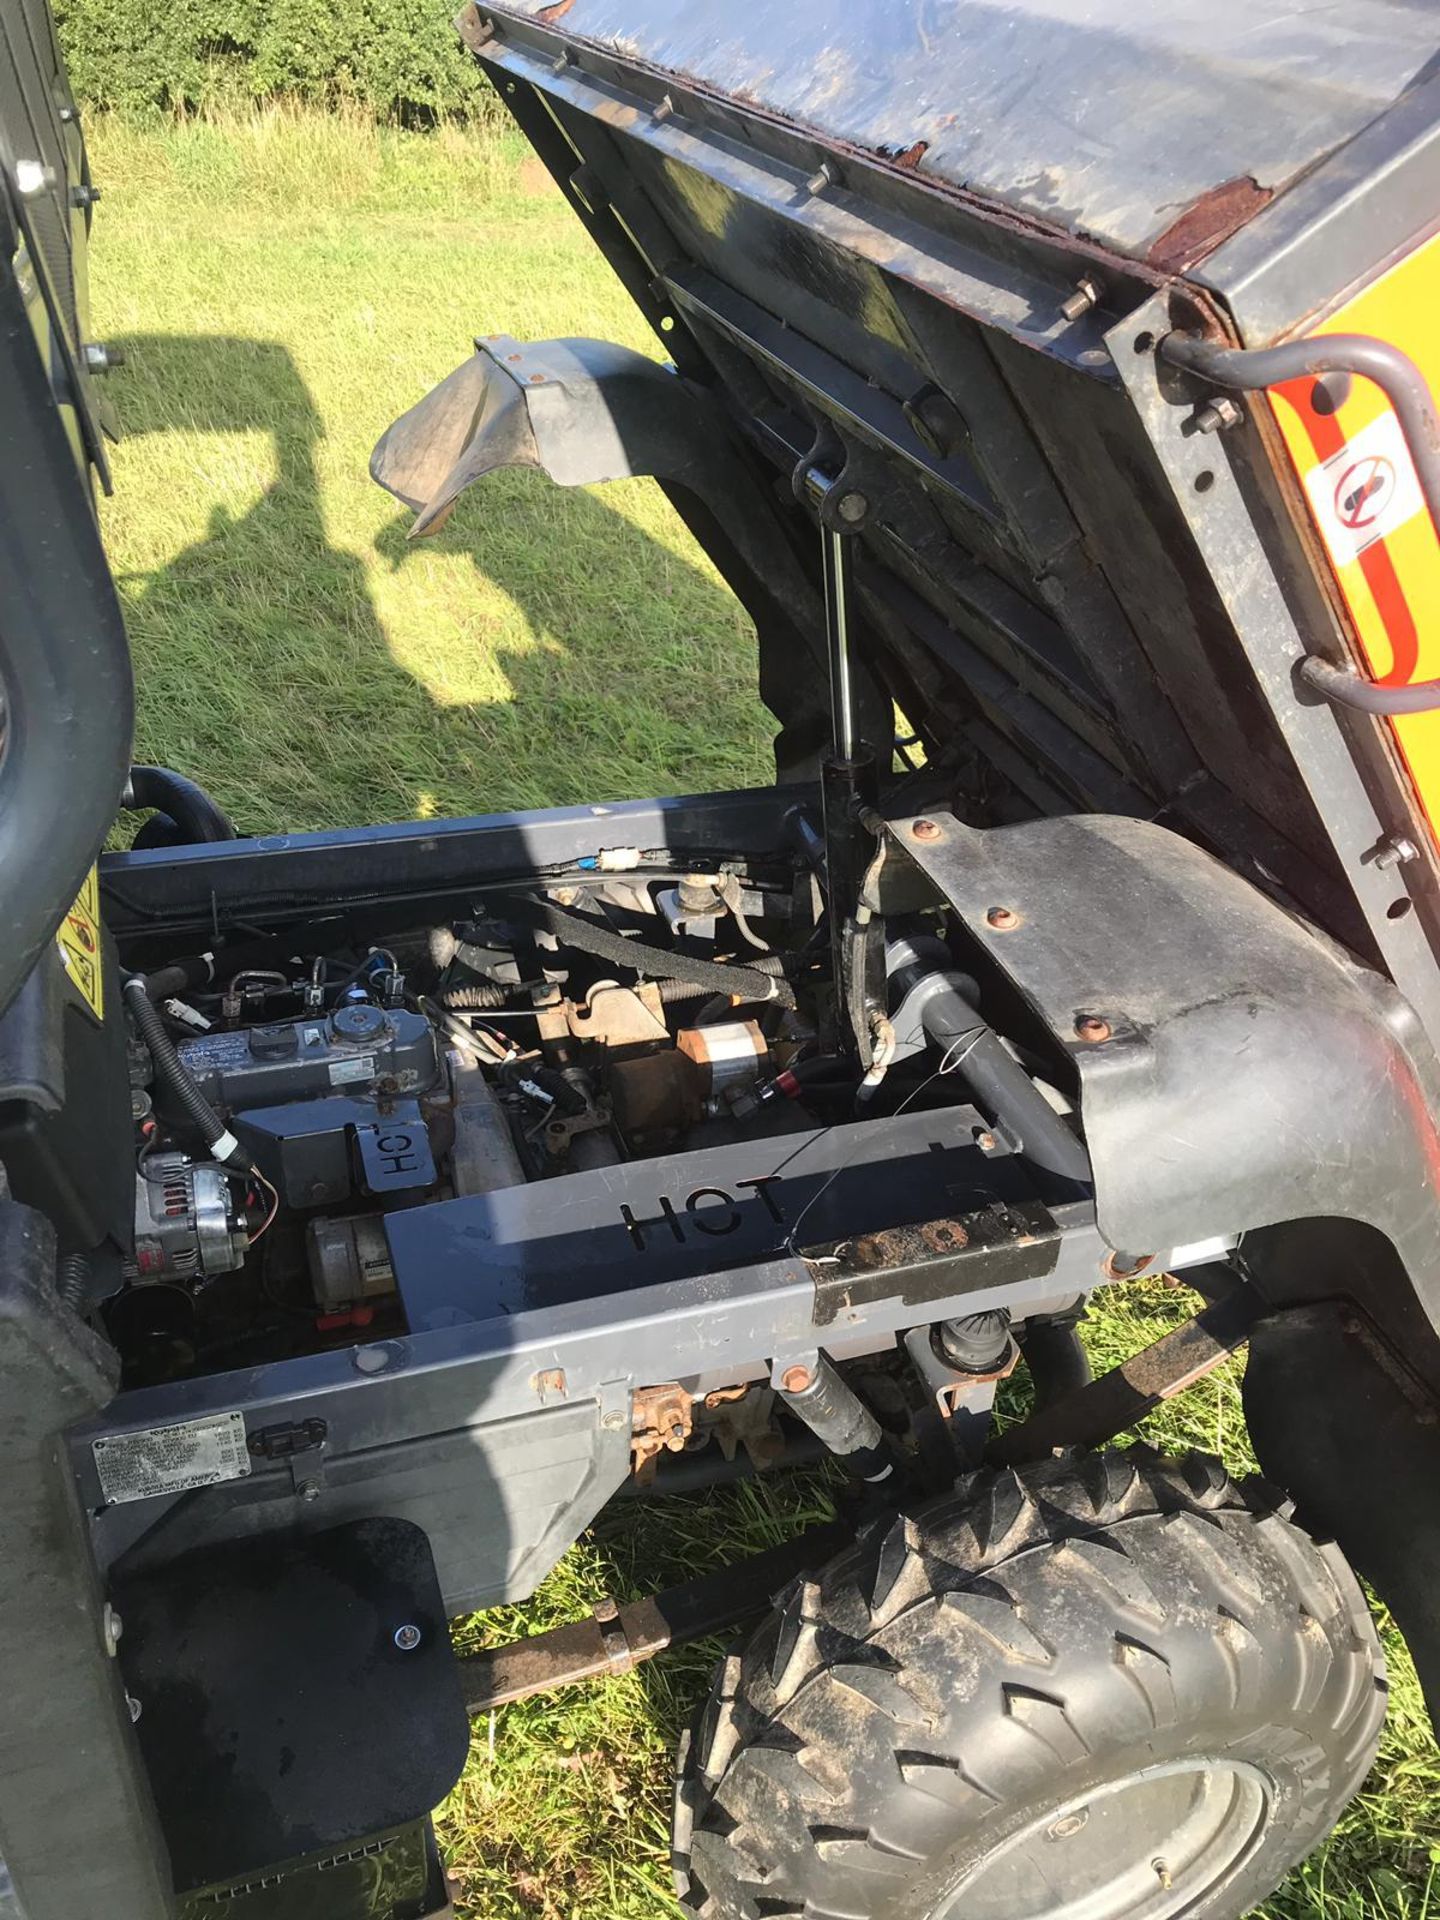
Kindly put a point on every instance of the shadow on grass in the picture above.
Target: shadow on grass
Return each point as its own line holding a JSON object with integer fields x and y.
{"x": 265, "y": 643}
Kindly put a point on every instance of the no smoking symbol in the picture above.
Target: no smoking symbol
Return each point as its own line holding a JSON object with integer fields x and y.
{"x": 1363, "y": 491}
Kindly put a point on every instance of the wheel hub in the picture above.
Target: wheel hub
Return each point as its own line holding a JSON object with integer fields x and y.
{"x": 1147, "y": 1847}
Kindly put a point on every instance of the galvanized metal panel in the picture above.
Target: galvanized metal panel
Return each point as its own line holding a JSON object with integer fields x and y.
{"x": 1100, "y": 116}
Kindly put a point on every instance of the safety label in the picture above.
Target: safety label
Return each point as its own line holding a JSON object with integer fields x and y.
{"x": 1366, "y": 490}
{"x": 79, "y": 939}
{"x": 194, "y": 1453}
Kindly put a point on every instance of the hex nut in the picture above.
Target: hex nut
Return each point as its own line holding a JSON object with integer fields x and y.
{"x": 1219, "y": 414}
{"x": 796, "y": 1379}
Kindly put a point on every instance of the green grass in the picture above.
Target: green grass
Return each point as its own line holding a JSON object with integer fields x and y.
{"x": 286, "y": 286}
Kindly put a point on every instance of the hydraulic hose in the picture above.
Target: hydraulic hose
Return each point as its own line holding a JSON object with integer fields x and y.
{"x": 757, "y": 981}
{"x": 218, "y": 1138}
{"x": 926, "y": 985}
{"x": 1056, "y": 1359}
{"x": 186, "y": 814}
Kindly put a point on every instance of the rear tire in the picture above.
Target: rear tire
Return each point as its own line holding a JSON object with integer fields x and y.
{"x": 1115, "y": 1686}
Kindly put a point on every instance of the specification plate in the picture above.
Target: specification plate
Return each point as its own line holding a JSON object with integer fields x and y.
{"x": 195, "y": 1453}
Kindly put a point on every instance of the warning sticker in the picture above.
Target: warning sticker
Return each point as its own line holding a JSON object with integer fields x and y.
{"x": 196, "y": 1453}
{"x": 79, "y": 939}
{"x": 1366, "y": 490}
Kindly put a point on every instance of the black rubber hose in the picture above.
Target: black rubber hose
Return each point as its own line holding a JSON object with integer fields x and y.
{"x": 195, "y": 815}
{"x": 923, "y": 975}
{"x": 749, "y": 982}
{"x": 1056, "y": 1359}
{"x": 218, "y": 1138}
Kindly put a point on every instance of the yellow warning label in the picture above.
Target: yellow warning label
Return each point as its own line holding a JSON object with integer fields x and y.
{"x": 79, "y": 939}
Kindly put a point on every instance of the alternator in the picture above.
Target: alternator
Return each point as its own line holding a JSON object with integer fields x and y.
{"x": 188, "y": 1221}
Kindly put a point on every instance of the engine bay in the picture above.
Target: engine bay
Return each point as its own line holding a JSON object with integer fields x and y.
{"x": 303, "y": 1097}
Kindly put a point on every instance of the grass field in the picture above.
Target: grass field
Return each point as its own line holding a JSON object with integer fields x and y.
{"x": 285, "y": 287}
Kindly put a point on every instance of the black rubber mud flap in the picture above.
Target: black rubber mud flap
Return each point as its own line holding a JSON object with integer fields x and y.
{"x": 1335, "y": 1419}
{"x": 294, "y": 1699}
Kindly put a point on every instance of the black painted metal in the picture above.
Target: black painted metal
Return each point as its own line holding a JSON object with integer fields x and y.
{"x": 652, "y": 1222}
{"x": 1235, "y": 1070}
{"x": 64, "y": 662}
{"x": 66, "y": 1742}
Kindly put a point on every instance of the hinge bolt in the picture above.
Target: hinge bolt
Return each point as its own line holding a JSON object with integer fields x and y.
{"x": 1219, "y": 414}
{"x": 1395, "y": 851}
{"x": 100, "y": 357}
{"x": 1085, "y": 296}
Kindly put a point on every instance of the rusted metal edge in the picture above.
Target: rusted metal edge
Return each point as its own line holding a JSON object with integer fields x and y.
{"x": 614, "y": 1639}
{"x": 541, "y": 35}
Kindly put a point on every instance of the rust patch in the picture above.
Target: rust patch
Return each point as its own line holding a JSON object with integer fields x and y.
{"x": 907, "y": 157}
{"x": 549, "y": 15}
{"x": 1207, "y": 221}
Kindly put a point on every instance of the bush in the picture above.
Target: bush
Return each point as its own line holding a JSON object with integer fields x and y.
{"x": 400, "y": 59}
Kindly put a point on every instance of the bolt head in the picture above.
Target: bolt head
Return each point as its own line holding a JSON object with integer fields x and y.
{"x": 32, "y": 177}
{"x": 1002, "y": 919}
{"x": 111, "y": 1628}
{"x": 370, "y": 1359}
{"x": 796, "y": 1379}
{"x": 1219, "y": 414}
{"x": 853, "y": 508}
{"x": 1091, "y": 1028}
{"x": 613, "y": 1421}
{"x": 408, "y": 1637}
{"x": 1081, "y": 300}
{"x": 925, "y": 829}
{"x": 309, "y": 1491}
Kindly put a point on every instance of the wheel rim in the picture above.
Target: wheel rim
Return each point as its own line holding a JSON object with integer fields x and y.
{"x": 1148, "y": 1847}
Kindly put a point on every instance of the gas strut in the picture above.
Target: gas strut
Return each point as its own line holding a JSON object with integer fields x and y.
{"x": 849, "y": 781}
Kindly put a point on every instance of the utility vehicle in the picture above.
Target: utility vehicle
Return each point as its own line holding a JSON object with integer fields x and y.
{"x": 1052, "y": 385}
